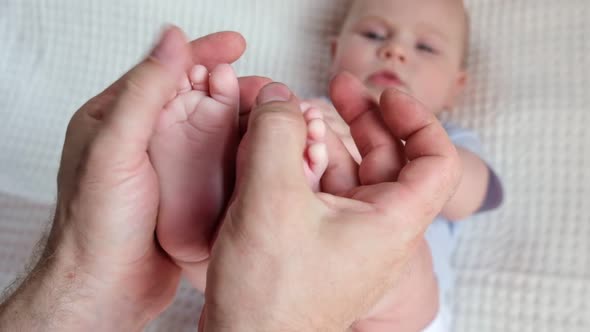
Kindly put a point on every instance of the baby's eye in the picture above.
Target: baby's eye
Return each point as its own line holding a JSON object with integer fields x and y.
{"x": 374, "y": 35}
{"x": 426, "y": 48}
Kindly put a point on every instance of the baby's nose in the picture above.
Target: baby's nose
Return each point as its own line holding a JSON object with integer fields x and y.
{"x": 393, "y": 52}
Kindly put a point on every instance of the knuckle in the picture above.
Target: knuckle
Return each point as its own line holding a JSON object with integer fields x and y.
{"x": 132, "y": 86}
{"x": 139, "y": 83}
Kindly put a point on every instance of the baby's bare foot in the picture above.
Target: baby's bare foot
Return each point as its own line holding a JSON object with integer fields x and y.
{"x": 193, "y": 152}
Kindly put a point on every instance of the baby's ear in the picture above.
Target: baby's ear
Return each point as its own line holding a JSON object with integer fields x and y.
{"x": 457, "y": 89}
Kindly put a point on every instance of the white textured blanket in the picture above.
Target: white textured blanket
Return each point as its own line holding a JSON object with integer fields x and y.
{"x": 524, "y": 268}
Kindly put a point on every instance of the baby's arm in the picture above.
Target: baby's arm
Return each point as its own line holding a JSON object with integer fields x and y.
{"x": 472, "y": 190}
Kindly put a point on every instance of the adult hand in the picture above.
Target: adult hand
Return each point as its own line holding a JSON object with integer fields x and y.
{"x": 411, "y": 305}
{"x": 102, "y": 268}
{"x": 287, "y": 259}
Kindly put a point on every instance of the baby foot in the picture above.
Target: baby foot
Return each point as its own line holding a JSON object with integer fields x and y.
{"x": 315, "y": 160}
{"x": 193, "y": 152}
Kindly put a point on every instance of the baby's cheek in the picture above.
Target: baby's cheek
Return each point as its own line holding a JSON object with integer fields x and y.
{"x": 345, "y": 64}
{"x": 355, "y": 59}
{"x": 432, "y": 93}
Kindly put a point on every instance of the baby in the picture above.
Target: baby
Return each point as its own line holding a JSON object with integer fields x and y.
{"x": 418, "y": 47}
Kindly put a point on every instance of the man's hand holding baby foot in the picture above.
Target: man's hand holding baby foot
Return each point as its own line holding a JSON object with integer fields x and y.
{"x": 290, "y": 285}
{"x": 102, "y": 268}
{"x": 378, "y": 130}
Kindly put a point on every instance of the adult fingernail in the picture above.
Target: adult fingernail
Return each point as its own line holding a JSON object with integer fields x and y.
{"x": 165, "y": 49}
{"x": 274, "y": 92}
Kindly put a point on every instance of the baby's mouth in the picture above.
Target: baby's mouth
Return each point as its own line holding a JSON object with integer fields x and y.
{"x": 386, "y": 79}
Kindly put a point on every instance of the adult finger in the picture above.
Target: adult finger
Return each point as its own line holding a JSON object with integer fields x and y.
{"x": 143, "y": 92}
{"x": 430, "y": 178}
{"x": 342, "y": 172}
{"x": 271, "y": 155}
{"x": 380, "y": 151}
{"x": 250, "y": 87}
{"x": 217, "y": 48}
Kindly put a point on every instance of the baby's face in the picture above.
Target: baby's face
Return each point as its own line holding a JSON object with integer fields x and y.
{"x": 416, "y": 46}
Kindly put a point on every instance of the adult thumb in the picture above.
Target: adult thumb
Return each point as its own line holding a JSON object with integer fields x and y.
{"x": 271, "y": 155}
{"x": 141, "y": 94}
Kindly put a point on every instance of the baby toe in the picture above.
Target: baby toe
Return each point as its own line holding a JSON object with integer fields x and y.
{"x": 304, "y": 106}
{"x": 312, "y": 113}
{"x": 199, "y": 77}
{"x": 316, "y": 130}
{"x": 317, "y": 158}
{"x": 224, "y": 86}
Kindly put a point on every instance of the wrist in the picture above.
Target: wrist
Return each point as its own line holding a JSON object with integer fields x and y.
{"x": 246, "y": 326}
{"x": 58, "y": 295}
{"x": 238, "y": 318}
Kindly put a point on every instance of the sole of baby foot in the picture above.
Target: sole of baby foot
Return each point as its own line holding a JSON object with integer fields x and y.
{"x": 193, "y": 153}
